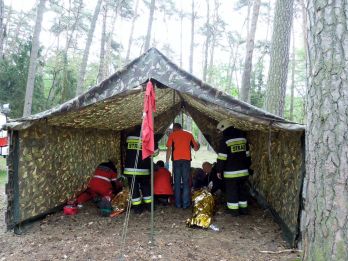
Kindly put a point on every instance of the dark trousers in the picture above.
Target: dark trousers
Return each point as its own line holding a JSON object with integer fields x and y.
{"x": 181, "y": 169}
{"x": 236, "y": 193}
{"x": 143, "y": 184}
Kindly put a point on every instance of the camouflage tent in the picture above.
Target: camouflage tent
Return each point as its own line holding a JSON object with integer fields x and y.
{"x": 53, "y": 153}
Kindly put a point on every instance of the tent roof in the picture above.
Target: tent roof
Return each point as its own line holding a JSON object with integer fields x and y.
{"x": 117, "y": 102}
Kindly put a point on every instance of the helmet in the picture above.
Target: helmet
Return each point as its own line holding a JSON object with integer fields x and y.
{"x": 224, "y": 124}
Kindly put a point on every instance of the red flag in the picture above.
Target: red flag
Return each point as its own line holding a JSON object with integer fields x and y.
{"x": 148, "y": 139}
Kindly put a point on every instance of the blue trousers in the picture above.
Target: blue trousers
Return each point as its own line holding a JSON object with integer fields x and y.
{"x": 181, "y": 170}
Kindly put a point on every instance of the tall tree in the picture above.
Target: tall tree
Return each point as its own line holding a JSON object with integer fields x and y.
{"x": 325, "y": 217}
{"x": 149, "y": 25}
{"x": 206, "y": 44}
{"x": 101, "y": 73}
{"x": 33, "y": 60}
{"x": 293, "y": 63}
{"x": 278, "y": 71}
{"x": 83, "y": 67}
{"x": 130, "y": 40}
{"x": 192, "y": 44}
{"x": 2, "y": 28}
{"x": 248, "y": 61}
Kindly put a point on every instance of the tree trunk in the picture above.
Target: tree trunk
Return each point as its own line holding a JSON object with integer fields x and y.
{"x": 108, "y": 51}
{"x": 293, "y": 60}
{"x": 193, "y": 17}
{"x": 206, "y": 47}
{"x": 149, "y": 26}
{"x": 130, "y": 40}
{"x": 83, "y": 67}
{"x": 181, "y": 14}
{"x": 325, "y": 214}
{"x": 101, "y": 74}
{"x": 33, "y": 60}
{"x": 2, "y": 28}
{"x": 245, "y": 88}
{"x": 305, "y": 45}
{"x": 278, "y": 71}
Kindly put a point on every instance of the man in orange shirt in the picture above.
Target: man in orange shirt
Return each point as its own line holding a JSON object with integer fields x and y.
{"x": 179, "y": 146}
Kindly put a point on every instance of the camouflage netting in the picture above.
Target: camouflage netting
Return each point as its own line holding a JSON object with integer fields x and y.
{"x": 55, "y": 163}
{"x": 278, "y": 161}
{"x": 58, "y": 149}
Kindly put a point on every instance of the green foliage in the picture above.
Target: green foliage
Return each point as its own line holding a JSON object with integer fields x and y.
{"x": 13, "y": 79}
{"x": 60, "y": 79}
{"x": 299, "y": 113}
{"x": 258, "y": 85}
{"x": 219, "y": 78}
{"x": 3, "y": 177}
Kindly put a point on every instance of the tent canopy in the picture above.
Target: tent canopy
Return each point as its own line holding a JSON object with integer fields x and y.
{"x": 117, "y": 102}
{"x": 53, "y": 153}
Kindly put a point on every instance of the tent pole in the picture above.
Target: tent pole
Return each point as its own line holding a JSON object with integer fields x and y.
{"x": 152, "y": 205}
{"x": 152, "y": 193}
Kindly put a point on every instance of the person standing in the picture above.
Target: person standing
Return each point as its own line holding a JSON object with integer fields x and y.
{"x": 140, "y": 169}
{"x": 179, "y": 146}
{"x": 233, "y": 162}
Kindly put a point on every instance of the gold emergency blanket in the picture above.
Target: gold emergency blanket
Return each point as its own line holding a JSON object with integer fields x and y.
{"x": 203, "y": 209}
{"x": 120, "y": 201}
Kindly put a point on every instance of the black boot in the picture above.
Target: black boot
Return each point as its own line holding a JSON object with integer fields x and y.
{"x": 244, "y": 211}
{"x": 147, "y": 207}
{"x": 234, "y": 212}
{"x": 137, "y": 209}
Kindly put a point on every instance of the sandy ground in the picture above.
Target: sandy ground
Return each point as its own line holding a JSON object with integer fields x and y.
{"x": 87, "y": 236}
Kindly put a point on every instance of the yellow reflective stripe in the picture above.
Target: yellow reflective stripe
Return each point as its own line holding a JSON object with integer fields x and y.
{"x": 133, "y": 141}
{"x": 136, "y": 201}
{"x": 222, "y": 156}
{"x": 243, "y": 204}
{"x": 135, "y": 173}
{"x": 232, "y": 205}
{"x": 131, "y": 171}
{"x": 148, "y": 199}
{"x": 133, "y": 138}
{"x": 236, "y": 174}
{"x": 236, "y": 141}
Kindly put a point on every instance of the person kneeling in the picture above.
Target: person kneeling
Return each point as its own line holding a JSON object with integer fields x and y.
{"x": 163, "y": 189}
{"x": 101, "y": 188}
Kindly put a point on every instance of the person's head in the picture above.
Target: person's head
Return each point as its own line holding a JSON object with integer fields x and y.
{"x": 177, "y": 126}
{"x": 160, "y": 164}
{"x": 207, "y": 167}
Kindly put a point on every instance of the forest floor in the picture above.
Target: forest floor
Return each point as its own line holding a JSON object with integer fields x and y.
{"x": 87, "y": 236}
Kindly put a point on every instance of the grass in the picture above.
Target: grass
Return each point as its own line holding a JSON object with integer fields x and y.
{"x": 3, "y": 174}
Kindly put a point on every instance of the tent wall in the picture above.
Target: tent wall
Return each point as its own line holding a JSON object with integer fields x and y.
{"x": 277, "y": 159}
{"x": 53, "y": 164}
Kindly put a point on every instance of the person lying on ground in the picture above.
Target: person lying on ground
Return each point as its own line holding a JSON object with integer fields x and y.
{"x": 163, "y": 187}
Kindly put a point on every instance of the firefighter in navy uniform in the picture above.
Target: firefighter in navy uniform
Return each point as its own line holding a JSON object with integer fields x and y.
{"x": 141, "y": 197}
{"x": 233, "y": 162}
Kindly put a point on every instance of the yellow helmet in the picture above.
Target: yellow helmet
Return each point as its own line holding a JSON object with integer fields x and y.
{"x": 224, "y": 124}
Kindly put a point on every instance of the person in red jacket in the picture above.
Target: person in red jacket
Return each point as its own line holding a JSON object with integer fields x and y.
{"x": 102, "y": 185}
{"x": 163, "y": 189}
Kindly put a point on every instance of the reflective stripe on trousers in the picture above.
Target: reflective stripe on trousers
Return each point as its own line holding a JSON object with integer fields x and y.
{"x": 236, "y": 174}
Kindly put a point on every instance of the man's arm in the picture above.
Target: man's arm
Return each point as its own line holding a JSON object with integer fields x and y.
{"x": 196, "y": 145}
{"x": 169, "y": 152}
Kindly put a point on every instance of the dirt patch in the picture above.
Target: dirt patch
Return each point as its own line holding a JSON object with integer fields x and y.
{"x": 87, "y": 236}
